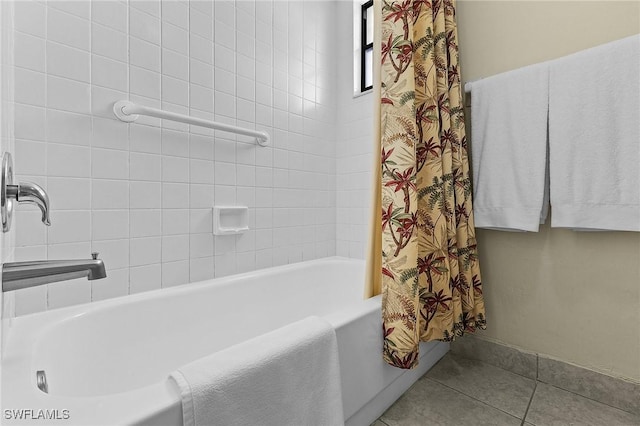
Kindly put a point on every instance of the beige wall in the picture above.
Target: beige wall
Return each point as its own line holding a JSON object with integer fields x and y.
{"x": 571, "y": 295}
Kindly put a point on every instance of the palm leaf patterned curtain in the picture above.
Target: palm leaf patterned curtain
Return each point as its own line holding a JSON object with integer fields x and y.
{"x": 430, "y": 273}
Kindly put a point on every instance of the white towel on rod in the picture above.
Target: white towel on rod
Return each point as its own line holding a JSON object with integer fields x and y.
{"x": 594, "y": 137}
{"x": 509, "y": 149}
{"x": 290, "y": 376}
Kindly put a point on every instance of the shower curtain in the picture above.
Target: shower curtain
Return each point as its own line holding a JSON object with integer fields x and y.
{"x": 423, "y": 254}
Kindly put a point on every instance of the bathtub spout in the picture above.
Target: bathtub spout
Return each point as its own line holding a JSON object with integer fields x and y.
{"x": 19, "y": 275}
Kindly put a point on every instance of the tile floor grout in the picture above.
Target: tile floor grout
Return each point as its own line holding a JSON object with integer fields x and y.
{"x": 537, "y": 380}
{"x": 586, "y": 397}
{"x": 526, "y": 411}
{"x": 472, "y": 397}
{"x": 523, "y": 419}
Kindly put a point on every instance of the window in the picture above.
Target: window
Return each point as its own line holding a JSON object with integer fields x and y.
{"x": 366, "y": 47}
{"x": 363, "y": 46}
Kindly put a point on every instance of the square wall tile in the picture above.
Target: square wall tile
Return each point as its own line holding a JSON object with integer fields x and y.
{"x": 109, "y": 224}
{"x": 109, "y": 194}
{"x": 175, "y": 195}
{"x": 109, "y": 133}
{"x": 68, "y": 128}
{"x": 201, "y": 269}
{"x": 29, "y": 52}
{"x": 112, "y": 14}
{"x": 175, "y": 143}
{"x": 109, "y": 42}
{"x": 145, "y": 278}
{"x": 145, "y": 251}
{"x": 31, "y": 300}
{"x": 175, "y": 64}
{"x": 109, "y": 73}
{"x": 30, "y": 157}
{"x": 144, "y": 54}
{"x": 175, "y": 247}
{"x": 200, "y": 24}
{"x": 176, "y": 12}
{"x": 69, "y": 193}
{"x": 31, "y": 18}
{"x": 144, "y": 82}
{"x": 30, "y": 87}
{"x": 68, "y": 29}
{"x": 145, "y": 167}
{"x": 201, "y": 220}
{"x": 200, "y": 73}
{"x": 145, "y": 139}
{"x": 175, "y": 273}
{"x": 68, "y": 62}
{"x": 68, "y": 293}
{"x": 175, "y": 38}
{"x": 68, "y": 160}
{"x": 114, "y": 253}
{"x": 145, "y": 195}
{"x": 175, "y": 169}
{"x": 116, "y": 284}
{"x": 175, "y": 221}
{"x": 201, "y": 245}
{"x": 225, "y": 265}
{"x": 109, "y": 164}
{"x": 144, "y": 26}
{"x": 29, "y": 122}
{"x": 74, "y": 250}
{"x": 145, "y": 223}
{"x": 68, "y": 95}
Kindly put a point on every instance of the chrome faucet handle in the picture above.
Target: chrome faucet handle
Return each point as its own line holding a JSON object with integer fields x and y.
{"x": 27, "y": 192}
{"x": 22, "y": 193}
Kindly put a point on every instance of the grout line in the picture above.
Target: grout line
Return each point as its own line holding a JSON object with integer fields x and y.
{"x": 472, "y": 397}
{"x": 586, "y": 397}
{"x": 526, "y": 412}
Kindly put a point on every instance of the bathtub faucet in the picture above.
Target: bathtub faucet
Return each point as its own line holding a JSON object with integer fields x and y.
{"x": 19, "y": 275}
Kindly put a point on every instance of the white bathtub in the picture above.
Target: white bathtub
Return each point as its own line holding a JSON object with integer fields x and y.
{"x": 108, "y": 362}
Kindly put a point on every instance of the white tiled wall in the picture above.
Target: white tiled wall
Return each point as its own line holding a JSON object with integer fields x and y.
{"x": 141, "y": 194}
{"x": 354, "y": 156}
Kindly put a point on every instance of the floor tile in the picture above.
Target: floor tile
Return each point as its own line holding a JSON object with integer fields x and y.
{"x": 600, "y": 387}
{"x": 553, "y": 406}
{"x": 378, "y": 423}
{"x": 510, "y": 359}
{"x": 429, "y": 402}
{"x": 494, "y": 386}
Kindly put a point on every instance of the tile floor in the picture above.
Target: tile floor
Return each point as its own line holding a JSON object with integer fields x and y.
{"x": 458, "y": 391}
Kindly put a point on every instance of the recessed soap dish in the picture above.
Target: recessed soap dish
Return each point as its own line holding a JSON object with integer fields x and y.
{"x": 229, "y": 220}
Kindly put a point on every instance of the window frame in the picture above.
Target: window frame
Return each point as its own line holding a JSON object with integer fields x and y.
{"x": 364, "y": 46}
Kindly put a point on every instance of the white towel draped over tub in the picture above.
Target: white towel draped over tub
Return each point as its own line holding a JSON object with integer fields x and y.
{"x": 594, "y": 137}
{"x": 509, "y": 149}
{"x": 290, "y": 376}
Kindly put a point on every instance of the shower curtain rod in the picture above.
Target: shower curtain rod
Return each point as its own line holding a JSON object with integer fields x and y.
{"x": 129, "y": 112}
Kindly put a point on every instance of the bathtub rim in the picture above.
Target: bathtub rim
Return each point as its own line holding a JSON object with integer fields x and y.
{"x": 80, "y": 309}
